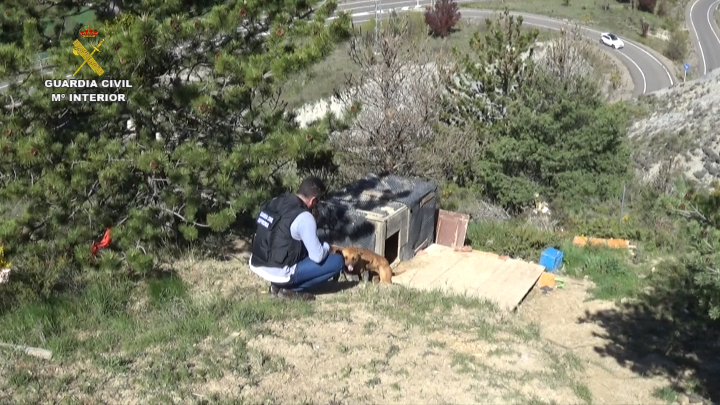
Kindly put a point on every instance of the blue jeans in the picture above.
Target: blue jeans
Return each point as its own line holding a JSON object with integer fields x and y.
{"x": 309, "y": 274}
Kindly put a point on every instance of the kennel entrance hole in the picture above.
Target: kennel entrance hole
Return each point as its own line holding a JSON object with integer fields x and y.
{"x": 392, "y": 247}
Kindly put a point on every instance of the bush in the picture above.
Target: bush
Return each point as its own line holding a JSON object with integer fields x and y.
{"x": 442, "y": 18}
{"x": 559, "y": 141}
{"x": 516, "y": 239}
{"x": 677, "y": 47}
{"x": 701, "y": 212}
{"x": 662, "y": 9}
{"x": 647, "y": 6}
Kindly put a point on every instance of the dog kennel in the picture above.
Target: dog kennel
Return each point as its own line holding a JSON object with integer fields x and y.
{"x": 390, "y": 215}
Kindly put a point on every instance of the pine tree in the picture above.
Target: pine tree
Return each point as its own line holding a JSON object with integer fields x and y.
{"x": 539, "y": 132}
{"x": 494, "y": 69}
{"x": 202, "y": 139}
{"x": 702, "y": 261}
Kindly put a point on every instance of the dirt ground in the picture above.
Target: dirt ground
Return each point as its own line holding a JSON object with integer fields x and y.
{"x": 367, "y": 344}
{"x": 559, "y": 315}
{"x": 350, "y": 352}
{"x": 353, "y": 351}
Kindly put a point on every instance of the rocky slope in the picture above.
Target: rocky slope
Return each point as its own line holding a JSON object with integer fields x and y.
{"x": 680, "y": 128}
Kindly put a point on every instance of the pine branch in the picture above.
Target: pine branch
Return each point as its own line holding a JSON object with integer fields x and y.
{"x": 695, "y": 213}
{"x": 183, "y": 218}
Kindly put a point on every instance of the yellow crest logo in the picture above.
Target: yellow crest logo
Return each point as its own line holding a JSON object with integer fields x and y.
{"x": 79, "y": 49}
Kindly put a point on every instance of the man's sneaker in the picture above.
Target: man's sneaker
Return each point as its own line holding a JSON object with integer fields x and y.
{"x": 273, "y": 290}
{"x": 294, "y": 295}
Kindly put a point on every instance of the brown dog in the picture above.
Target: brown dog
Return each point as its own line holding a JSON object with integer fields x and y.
{"x": 358, "y": 260}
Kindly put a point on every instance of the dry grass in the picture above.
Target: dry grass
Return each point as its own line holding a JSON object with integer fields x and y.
{"x": 208, "y": 335}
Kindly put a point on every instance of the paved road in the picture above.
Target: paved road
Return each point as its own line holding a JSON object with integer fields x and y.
{"x": 700, "y": 19}
{"x": 648, "y": 72}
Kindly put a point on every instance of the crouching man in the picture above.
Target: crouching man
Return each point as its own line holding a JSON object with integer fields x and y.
{"x": 286, "y": 250}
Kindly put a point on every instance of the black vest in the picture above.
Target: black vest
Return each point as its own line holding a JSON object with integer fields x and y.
{"x": 273, "y": 245}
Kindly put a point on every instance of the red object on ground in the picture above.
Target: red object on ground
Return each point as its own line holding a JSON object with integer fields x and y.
{"x": 105, "y": 242}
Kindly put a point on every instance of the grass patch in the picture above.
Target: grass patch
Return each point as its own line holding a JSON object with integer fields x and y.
{"x": 515, "y": 239}
{"x": 619, "y": 18}
{"x": 161, "y": 292}
{"x": 566, "y": 367}
{"x": 563, "y": 372}
{"x": 666, "y": 394}
{"x": 426, "y": 310}
{"x": 104, "y": 317}
{"x": 583, "y": 392}
{"x": 612, "y": 270}
{"x": 609, "y": 269}
{"x": 155, "y": 331}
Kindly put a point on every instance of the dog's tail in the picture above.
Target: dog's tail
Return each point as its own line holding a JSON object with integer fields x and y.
{"x": 396, "y": 272}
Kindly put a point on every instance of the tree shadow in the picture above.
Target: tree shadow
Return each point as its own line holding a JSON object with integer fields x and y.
{"x": 334, "y": 287}
{"x": 339, "y": 219}
{"x": 662, "y": 335}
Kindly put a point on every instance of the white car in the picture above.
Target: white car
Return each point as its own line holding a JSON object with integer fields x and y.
{"x": 610, "y": 39}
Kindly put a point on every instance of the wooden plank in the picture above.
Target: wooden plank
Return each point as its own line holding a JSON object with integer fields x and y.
{"x": 499, "y": 288}
{"x": 422, "y": 271}
{"x": 489, "y": 289}
{"x": 423, "y": 261}
{"x": 476, "y": 271}
{"x": 511, "y": 283}
{"x": 478, "y": 274}
{"x": 423, "y": 279}
{"x": 464, "y": 272}
{"x": 530, "y": 275}
{"x": 437, "y": 249}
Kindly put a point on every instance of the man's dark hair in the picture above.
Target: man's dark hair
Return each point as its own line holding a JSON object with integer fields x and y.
{"x": 311, "y": 187}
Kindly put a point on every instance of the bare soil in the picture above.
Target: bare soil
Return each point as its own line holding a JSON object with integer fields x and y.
{"x": 367, "y": 344}
{"x": 350, "y": 352}
{"x": 560, "y": 315}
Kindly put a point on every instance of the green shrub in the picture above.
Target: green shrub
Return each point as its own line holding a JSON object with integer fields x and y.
{"x": 610, "y": 228}
{"x": 677, "y": 47}
{"x": 701, "y": 213}
{"x": 515, "y": 239}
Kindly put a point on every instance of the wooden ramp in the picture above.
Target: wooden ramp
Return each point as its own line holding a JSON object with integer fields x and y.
{"x": 477, "y": 274}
